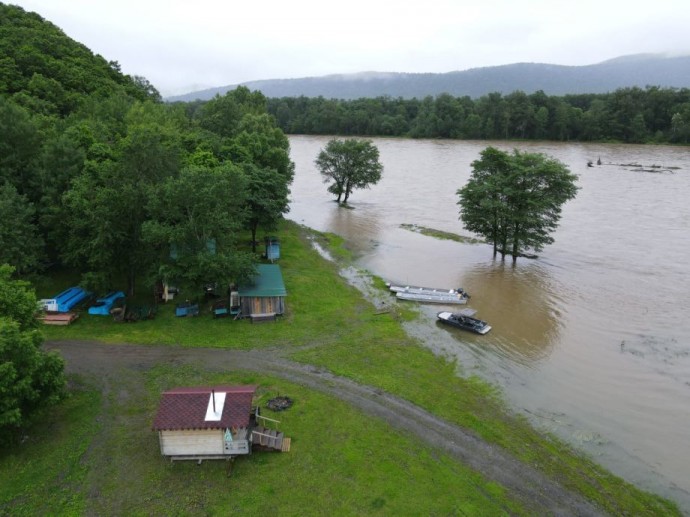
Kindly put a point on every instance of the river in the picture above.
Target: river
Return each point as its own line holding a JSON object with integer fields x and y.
{"x": 591, "y": 341}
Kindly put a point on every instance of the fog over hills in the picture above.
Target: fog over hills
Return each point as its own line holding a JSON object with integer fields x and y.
{"x": 625, "y": 71}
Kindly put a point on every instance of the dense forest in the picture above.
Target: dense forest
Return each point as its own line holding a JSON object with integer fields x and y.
{"x": 630, "y": 115}
{"x": 98, "y": 174}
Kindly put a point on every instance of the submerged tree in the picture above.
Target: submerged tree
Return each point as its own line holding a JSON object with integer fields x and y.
{"x": 349, "y": 164}
{"x": 514, "y": 200}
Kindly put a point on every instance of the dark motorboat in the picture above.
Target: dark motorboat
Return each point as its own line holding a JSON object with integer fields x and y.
{"x": 464, "y": 320}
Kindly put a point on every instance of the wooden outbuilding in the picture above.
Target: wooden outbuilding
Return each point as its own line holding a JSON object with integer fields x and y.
{"x": 215, "y": 422}
{"x": 263, "y": 298}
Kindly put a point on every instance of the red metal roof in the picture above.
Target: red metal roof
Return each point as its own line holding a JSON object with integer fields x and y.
{"x": 185, "y": 408}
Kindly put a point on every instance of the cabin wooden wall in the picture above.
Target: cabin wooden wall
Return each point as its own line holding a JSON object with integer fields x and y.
{"x": 192, "y": 442}
{"x": 262, "y": 305}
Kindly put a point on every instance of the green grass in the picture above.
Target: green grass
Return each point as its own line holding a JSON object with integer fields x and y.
{"x": 45, "y": 474}
{"x": 341, "y": 463}
{"x": 330, "y": 325}
{"x": 314, "y": 302}
{"x": 440, "y": 234}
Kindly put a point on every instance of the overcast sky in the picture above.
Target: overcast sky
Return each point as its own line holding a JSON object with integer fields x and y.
{"x": 185, "y": 45}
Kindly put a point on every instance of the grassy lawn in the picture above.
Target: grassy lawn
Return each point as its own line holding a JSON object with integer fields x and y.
{"x": 45, "y": 475}
{"x": 341, "y": 462}
{"x": 330, "y": 325}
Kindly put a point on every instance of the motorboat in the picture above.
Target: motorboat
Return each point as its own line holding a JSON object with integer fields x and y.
{"x": 465, "y": 320}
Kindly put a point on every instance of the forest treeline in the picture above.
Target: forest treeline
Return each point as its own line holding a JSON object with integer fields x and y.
{"x": 630, "y": 115}
{"x": 98, "y": 174}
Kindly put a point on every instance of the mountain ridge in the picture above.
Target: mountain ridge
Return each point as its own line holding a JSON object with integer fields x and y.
{"x": 624, "y": 71}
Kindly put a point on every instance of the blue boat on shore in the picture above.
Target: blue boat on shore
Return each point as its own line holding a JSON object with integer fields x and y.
{"x": 103, "y": 305}
{"x": 66, "y": 300}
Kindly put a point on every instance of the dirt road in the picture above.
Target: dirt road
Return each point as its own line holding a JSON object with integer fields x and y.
{"x": 524, "y": 483}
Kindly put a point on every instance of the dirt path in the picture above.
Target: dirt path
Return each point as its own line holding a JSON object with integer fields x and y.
{"x": 523, "y": 482}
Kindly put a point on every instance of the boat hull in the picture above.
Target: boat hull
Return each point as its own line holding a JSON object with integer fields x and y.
{"x": 429, "y": 298}
{"x": 431, "y": 291}
{"x": 464, "y": 322}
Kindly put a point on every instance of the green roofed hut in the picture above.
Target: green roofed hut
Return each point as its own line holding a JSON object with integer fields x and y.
{"x": 264, "y": 298}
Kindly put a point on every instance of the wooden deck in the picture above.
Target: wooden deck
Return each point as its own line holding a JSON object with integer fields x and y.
{"x": 58, "y": 318}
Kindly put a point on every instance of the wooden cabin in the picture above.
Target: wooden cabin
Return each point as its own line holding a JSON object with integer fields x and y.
{"x": 205, "y": 423}
{"x": 264, "y": 297}
{"x": 215, "y": 422}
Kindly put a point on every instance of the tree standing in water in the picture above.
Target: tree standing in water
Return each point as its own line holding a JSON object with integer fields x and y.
{"x": 514, "y": 200}
{"x": 349, "y": 164}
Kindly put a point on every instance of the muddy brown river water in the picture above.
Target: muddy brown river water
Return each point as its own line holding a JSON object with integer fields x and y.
{"x": 591, "y": 341}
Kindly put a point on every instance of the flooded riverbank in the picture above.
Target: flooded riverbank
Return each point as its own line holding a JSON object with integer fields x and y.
{"x": 590, "y": 341}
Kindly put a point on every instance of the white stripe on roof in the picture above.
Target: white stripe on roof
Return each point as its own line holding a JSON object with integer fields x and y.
{"x": 214, "y": 416}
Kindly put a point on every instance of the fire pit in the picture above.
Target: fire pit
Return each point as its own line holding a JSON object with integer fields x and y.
{"x": 279, "y": 403}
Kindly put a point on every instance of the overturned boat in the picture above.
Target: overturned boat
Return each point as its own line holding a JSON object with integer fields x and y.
{"x": 464, "y": 319}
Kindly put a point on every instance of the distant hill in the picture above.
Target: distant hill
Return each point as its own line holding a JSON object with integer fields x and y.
{"x": 626, "y": 71}
{"x": 45, "y": 71}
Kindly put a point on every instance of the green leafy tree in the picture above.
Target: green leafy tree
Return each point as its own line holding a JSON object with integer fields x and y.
{"x": 348, "y": 165}
{"x": 680, "y": 124}
{"x": 18, "y": 144}
{"x": 596, "y": 121}
{"x": 484, "y": 210}
{"x": 195, "y": 220}
{"x": 30, "y": 379}
{"x": 521, "y": 115}
{"x": 267, "y": 198}
{"x": 541, "y": 121}
{"x": 62, "y": 160}
{"x": 264, "y": 145}
{"x": 106, "y": 204}
{"x": 20, "y": 243}
{"x": 222, "y": 114}
{"x": 514, "y": 200}
{"x": 50, "y": 72}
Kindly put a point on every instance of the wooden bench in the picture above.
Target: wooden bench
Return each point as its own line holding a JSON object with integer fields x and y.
{"x": 262, "y": 317}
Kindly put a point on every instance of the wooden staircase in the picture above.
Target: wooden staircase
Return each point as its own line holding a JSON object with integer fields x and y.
{"x": 270, "y": 439}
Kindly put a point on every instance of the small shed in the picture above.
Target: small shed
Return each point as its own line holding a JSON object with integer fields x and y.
{"x": 205, "y": 423}
{"x": 272, "y": 248}
{"x": 264, "y": 297}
